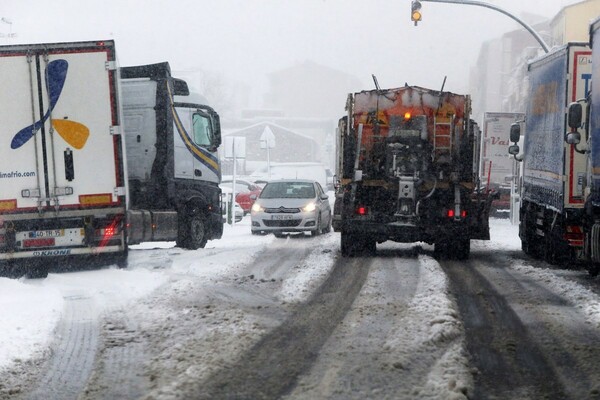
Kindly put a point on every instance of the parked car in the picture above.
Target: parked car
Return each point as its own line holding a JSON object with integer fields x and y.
{"x": 246, "y": 192}
{"x": 291, "y": 205}
{"x": 226, "y": 195}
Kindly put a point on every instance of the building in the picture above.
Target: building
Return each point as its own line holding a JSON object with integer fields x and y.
{"x": 290, "y": 146}
{"x": 499, "y": 81}
{"x": 571, "y": 24}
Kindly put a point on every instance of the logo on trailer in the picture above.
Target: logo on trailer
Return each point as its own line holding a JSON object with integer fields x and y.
{"x": 74, "y": 133}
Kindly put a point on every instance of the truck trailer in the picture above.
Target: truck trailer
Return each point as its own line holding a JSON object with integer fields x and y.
{"x": 583, "y": 137}
{"x": 64, "y": 173}
{"x": 553, "y": 185}
{"x": 497, "y": 166}
{"x": 407, "y": 162}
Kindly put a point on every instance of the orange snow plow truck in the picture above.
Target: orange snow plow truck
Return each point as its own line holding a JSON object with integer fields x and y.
{"x": 407, "y": 167}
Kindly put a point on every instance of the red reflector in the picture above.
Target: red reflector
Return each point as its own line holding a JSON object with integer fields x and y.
{"x": 450, "y": 213}
{"x": 463, "y": 213}
{"x": 573, "y": 236}
{"x": 361, "y": 210}
{"x": 43, "y": 242}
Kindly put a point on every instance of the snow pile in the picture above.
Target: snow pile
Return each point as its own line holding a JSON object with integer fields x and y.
{"x": 298, "y": 287}
{"x": 28, "y": 317}
{"x": 436, "y": 326}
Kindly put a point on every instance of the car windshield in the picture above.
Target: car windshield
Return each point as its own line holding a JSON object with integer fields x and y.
{"x": 288, "y": 190}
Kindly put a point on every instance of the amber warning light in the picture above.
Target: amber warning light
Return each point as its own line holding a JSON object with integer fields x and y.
{"x": 415, "y": 15}
{"x": 407, "y": 115}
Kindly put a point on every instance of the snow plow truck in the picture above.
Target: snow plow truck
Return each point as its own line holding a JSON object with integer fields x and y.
{"x": 407, "y": 167}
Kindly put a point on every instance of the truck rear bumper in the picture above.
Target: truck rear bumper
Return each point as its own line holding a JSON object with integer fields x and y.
{"x": 405, "y": 232}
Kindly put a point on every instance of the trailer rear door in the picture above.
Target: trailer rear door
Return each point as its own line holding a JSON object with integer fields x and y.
{"x": 59, "y": 113}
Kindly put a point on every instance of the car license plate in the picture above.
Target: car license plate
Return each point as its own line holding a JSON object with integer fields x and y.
{"x": 282, "y": 217}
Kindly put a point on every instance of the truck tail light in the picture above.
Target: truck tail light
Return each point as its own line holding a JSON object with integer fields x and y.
{"x": 362, "y": 210}
{"x": 450, "y": 213}
{"x": 574, "y": 235}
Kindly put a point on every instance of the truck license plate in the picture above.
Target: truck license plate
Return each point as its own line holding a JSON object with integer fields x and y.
{"x": 47, "y": 234}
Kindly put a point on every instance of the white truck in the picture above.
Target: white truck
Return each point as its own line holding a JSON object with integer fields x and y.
{"x": 497, "y": 165}
{"x": 63, "y": 172}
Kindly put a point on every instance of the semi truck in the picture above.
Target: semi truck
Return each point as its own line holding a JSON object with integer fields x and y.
{"x": 70, "y": 187}
{"x": 407, "y": 164}
{"x": 497, "y": 166}
{"x": 554, "y": 184}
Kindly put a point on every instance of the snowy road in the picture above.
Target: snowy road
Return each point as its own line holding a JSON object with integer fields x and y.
{"x": 258, "y": 317}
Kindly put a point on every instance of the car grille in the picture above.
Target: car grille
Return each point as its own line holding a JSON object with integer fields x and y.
{"x": 282, "y": 210}
{"x": 288, "y": 223}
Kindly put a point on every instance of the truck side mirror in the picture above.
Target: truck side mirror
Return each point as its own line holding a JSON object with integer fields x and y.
{"x": 513, "y": 150}
{"x": 575, "y": 115}
{"x": 515, "y": 132}
{"x": 217, "y": 129}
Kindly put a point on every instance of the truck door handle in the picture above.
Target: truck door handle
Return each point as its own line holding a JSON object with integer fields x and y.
{"x": 197, "y": 172}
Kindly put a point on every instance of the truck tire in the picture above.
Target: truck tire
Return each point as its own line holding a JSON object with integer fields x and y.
{"x": 440, "y": 250}
{"x": 193, "y": 233}
{"x": 347, "y": 244}
{"x": 462, "y": 249}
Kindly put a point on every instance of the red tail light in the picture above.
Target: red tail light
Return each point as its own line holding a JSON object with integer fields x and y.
{"x": 450, "y": 213}
{"x": 361, "y": 210}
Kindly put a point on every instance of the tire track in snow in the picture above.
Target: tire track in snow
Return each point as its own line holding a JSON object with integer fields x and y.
{"x": 72, "y": 361}
{"x": 509, "y": 362}
{"x": 272, "y": 366}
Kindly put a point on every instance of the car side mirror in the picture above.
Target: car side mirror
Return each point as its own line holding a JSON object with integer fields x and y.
{"x": 253, "y": 197}
{"x": 324, "y": 196}
{"x": 513, "y": 150}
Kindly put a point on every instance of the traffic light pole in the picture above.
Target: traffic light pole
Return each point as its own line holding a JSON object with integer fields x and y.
{"x": 493, "y": 7}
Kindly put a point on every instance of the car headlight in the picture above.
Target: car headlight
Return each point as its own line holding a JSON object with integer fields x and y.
{"x": 257, "y": 208}
{"x": 309, "y": 207}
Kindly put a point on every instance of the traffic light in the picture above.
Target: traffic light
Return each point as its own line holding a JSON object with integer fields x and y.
{"x": 415, "y": 14}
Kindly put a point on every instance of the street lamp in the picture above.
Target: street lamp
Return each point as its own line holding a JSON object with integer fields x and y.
{"x": 9, "y": 23}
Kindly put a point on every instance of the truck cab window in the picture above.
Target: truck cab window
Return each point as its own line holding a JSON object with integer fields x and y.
{"x": 202, "y": 130}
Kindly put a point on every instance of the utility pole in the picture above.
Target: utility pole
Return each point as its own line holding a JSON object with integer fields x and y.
{"x": 416, "y": 5}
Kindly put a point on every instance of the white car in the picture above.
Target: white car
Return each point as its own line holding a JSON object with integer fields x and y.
{"x": 291, "y": 205}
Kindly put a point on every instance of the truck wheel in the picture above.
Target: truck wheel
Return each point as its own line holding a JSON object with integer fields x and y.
{"x": 369, "y": 246}
{"x": 347, "y": 244}
{"x": 463, "y": 249}
{"x": 193, "y": 235}
{"x": 593, "y": 269}
{"x": 440, "y": 250}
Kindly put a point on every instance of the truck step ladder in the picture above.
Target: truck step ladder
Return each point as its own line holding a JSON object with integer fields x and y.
{"x": 443, "y": 133}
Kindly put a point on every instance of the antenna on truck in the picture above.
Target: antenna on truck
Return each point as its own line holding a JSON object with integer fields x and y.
{"x": 441, "y": 91}
{"x": 376, "y": 83}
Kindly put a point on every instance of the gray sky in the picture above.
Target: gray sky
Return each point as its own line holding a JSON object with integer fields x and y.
{"x": 245, "y": 39}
